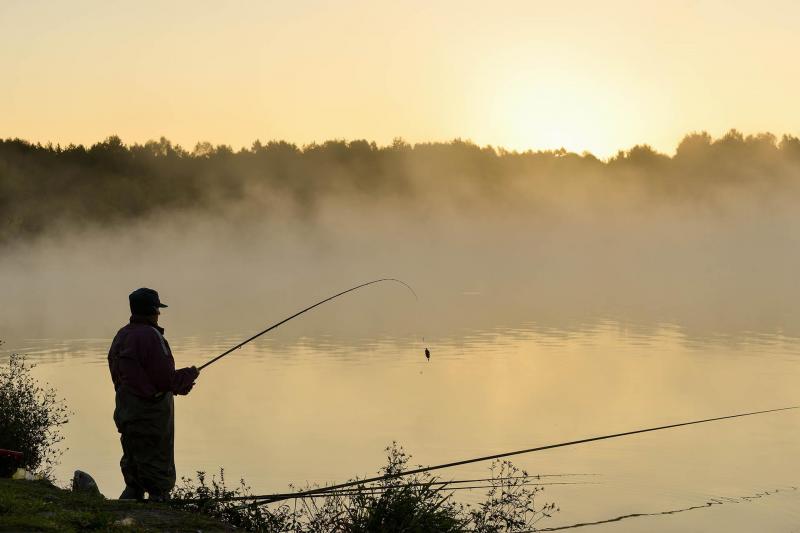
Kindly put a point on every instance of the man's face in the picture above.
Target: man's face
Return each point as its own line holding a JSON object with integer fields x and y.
{"x": 154, "y": 318}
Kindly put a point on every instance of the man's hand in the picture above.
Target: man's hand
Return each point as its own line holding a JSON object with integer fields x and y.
{"x": 193, "y": 374}
{"x": 184, "y": 391}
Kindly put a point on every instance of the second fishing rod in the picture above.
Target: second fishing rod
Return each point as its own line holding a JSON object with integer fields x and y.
{"x": 302, "y": 311}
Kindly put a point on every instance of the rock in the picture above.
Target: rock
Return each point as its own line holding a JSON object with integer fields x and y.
{"x": 125, "y": 522}
{"x": 83, "y": 482}
{"x": 21, "y": 473}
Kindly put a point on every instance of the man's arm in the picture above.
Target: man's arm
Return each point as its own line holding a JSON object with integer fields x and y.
{"x": 183, "y": 380}
{"x": 161, "y": 367}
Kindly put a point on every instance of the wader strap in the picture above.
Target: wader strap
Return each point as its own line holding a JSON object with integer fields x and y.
{"x": 161, "y": 338}
{"x": 159, "y": 395}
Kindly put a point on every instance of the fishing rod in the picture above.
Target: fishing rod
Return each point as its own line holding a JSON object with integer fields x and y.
{"x": 309, "y": 308}
{"x": 379, "y": 491}
{"x": 459, "y": 484}
{"x": 271, "y": 498}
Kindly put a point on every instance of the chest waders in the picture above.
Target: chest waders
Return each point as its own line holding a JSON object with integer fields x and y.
{"x": 147, "y": 428}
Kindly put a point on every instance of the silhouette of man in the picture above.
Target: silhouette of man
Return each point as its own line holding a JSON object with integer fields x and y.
{"x": 145, "y": 379}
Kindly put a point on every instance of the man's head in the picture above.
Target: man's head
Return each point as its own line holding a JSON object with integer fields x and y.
{"x": 145, "y": 302}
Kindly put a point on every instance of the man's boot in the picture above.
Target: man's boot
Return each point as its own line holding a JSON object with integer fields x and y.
{"x": 132, "y": 493}
{"x": 158, "y": 496}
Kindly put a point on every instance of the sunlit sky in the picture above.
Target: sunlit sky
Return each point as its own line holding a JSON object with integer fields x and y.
{"x": 587, "y": 75}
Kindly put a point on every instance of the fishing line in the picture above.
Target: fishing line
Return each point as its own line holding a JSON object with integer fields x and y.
{"x": 378, "y": 491}
{"x": 498, "y": 482}
{"x": 705, "y": 505}
{"x": 309, "y": 308}
{"x": 440, "y": 485}
{"x": 527, "y": 479}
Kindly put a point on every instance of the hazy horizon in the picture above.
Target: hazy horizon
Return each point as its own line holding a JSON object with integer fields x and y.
{"x": 703, "y": 241}
{"x": 199, "y": 145}
{"x": 538, "y": 75}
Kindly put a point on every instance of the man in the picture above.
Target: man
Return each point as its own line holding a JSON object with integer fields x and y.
{"x": 145, "y": 379}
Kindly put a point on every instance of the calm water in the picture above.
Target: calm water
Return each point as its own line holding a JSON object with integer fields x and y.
{"x": 540, "y": 332}
{"x": 315, "y": 409}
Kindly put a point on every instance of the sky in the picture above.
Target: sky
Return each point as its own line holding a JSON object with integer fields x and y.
{"x": 594, "y": 76}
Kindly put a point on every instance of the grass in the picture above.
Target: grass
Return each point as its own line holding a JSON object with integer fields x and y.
{"x": 40, "y": 506}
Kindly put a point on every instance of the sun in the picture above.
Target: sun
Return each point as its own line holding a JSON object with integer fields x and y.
{"x": 557, "y": 110}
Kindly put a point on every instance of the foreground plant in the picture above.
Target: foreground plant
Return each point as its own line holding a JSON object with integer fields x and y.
{"x": 31, "y": 418}
{"x": 212, "y": 497}
{"x": 412, "y": 504}
{"x": 510, "y": 503}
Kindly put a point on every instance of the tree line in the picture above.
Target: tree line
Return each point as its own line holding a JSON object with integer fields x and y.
{"x": 43, "y": 187}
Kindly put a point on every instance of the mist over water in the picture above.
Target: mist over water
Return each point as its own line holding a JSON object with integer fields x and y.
{"x": 553, "y": 310}
{"x": 727, "y": 273}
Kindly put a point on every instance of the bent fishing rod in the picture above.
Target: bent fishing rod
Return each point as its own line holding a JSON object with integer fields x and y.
{"x": 309, "y": 308}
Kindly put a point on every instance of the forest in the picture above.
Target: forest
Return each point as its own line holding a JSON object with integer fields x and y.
{"x": 47, "y": 189}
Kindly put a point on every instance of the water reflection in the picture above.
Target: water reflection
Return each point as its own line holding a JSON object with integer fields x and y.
{"x": 322, "y": 408}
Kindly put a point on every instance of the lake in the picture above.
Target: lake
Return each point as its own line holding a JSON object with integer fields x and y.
{"x": 536, "y": 338}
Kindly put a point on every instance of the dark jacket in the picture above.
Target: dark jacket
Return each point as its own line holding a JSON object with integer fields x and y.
{"x": 141, "y": 362}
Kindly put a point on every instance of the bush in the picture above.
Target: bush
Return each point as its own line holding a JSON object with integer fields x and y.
{"x": 411, "y": 504}
{"x": 510, "y": 503}
{"x": 213, "y": 498}
{"x": 31, "y": 417}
